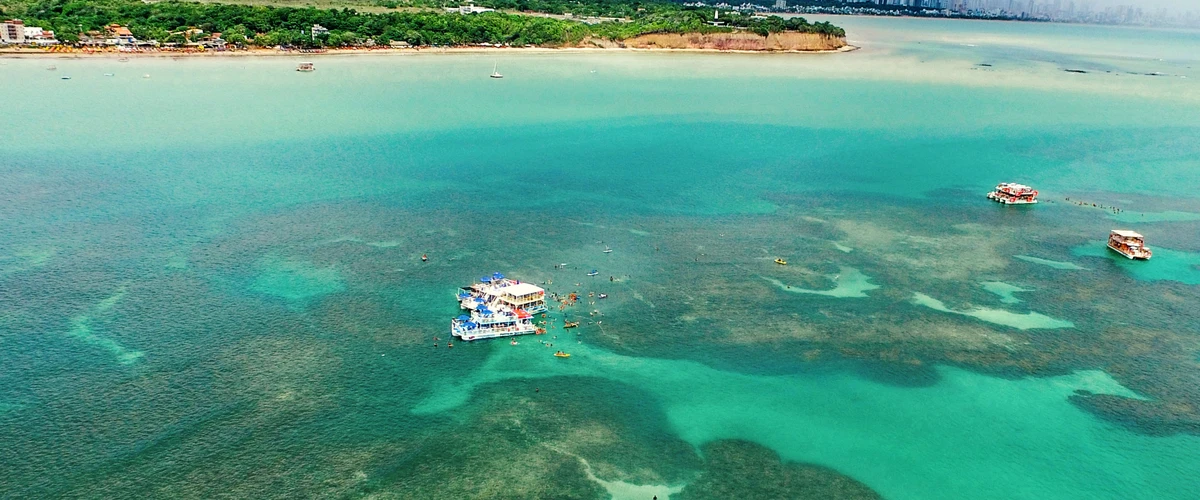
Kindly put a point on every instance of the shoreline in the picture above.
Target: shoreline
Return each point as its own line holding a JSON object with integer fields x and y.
{"x": 44, "y": 54}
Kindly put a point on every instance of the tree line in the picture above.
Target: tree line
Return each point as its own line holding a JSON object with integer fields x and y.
{"x": 268, "y": 26}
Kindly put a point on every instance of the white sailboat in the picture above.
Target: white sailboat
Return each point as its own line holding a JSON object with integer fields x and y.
{"x": 496, "y": 74}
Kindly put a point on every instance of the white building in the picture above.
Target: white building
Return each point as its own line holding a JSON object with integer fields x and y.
{"x": 12, "y": 31}
{"x": 39, "y": 36}
{"x": 472, "y": 9}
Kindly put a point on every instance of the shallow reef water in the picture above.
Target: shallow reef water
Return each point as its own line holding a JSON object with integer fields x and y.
{"x": 243, "y": 311}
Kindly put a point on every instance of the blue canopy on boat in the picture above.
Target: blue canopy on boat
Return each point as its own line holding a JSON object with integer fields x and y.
{"x": 470, "y": 325}
{"x": 463, "y": 295}
{"x": 464, "y": 317}
{"x": 497, "y": 276}
{"x": 484, "y": 310}
{"x": 486, "y": 279}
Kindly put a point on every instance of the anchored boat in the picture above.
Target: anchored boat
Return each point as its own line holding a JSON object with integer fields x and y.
{"x": 305, "y": 67}
{"x": 1128, "y": 243}
{"x": 498, "y": 307}
{"x": 781, "y": 262}
{"x": 1010, "y": 193}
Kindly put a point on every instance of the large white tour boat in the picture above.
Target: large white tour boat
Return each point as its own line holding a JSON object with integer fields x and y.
{"x": 498, "y": 307}
{"x": 1128, "y": 243}
{"x": 1010, "y": 193}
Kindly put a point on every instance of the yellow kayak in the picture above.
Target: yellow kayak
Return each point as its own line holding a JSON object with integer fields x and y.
{"x": 781, "y": 262}
{"x": 561, "y": 354}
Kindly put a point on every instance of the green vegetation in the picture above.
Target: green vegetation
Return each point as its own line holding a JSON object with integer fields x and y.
{"x": 422, "y": 23}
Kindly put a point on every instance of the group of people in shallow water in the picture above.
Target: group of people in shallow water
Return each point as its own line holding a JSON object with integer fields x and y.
{"x": 1114, "y": 210}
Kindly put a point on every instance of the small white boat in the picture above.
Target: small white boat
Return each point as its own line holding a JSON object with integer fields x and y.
{"x": 66, "y": 78}
{"x": 607, "y": 249}
{"x": 495, "y": 73}
{"x": 306, "y": 67}
{"x": 108, "y": 74}
{"x": 147, "y": 75}
{"x": 593, "y": 272}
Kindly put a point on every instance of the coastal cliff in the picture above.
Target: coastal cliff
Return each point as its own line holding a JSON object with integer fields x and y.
{"x": 739, "y": 41}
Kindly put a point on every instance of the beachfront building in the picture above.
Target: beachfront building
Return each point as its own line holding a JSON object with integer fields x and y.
{"x": 12, "y": 31}
{"x": 39, "y": 36}
{"x": 115, "y": 34}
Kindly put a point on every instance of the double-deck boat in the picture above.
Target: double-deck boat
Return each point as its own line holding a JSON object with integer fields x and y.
{"x": 1010, "y": 193}
{"x": 486, "y": 323}
{"x": 500, "y": 292}
{"x": 1128, "y": 243}
{"x": 498, "y": 307}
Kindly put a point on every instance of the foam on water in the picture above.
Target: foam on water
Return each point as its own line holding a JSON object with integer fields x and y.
{"x": 849, "y": 283}
{"x": 1027, "y": 321}
{"x": 937, "y": 435}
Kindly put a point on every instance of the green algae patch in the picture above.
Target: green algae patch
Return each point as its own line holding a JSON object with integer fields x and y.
{"x": 748, "y": 471}
{"x": 1005, "y": 291}
{"x": 1165, "y": 265}
{"x": 849, "y": 283}
{"x": 1028, "y": 321}
{"x": 295, "y": 279}
{"x": 1055, "y": 264}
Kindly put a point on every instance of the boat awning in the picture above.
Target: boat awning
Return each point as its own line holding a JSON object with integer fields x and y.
{"x": 463, "y": 317}
{"x": 1126, "y": 233}
{"x": 521, "y": 289}
{"x": 497, "y": 276}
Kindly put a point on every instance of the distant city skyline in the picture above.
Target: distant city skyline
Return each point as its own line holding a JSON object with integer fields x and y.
{"x": 1143, "y": 12}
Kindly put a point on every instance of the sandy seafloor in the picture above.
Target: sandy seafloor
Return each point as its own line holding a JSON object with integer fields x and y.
{"x": 211, "y": 286}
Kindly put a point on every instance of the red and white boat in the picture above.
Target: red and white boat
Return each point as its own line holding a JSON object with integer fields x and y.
{"x": 1128, "y": 243}
{"x": 1010, "y": 193}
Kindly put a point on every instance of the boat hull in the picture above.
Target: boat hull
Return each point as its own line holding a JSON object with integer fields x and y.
{"x": 1127, "y": 255}
{"x": 1010, "y": 201}
{"x": 485, "y": 333}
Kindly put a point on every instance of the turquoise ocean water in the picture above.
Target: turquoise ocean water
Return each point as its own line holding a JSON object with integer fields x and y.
{"x": 210, "y": 275}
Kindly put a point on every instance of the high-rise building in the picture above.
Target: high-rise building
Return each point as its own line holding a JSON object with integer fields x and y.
{"x": 12, "y": 31}
{"x": 781, "y": 4}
